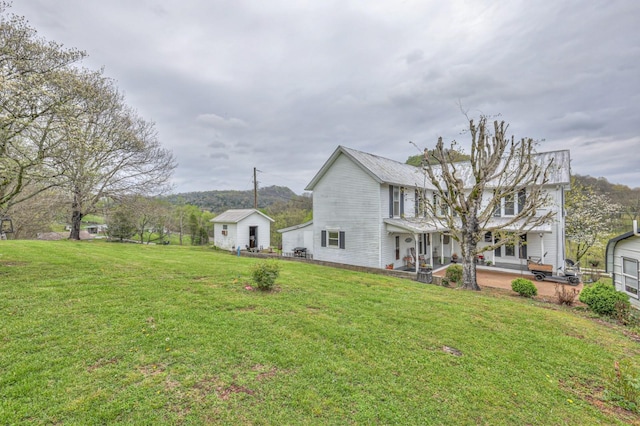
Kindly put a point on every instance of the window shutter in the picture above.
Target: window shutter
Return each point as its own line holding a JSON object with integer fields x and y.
{"x": 522, "y": 198}
{"x": 390, "y": 200}
{"x": 401, "y": 202}
{"x": 323, "y": 238}
{"x": 342, "y": 244}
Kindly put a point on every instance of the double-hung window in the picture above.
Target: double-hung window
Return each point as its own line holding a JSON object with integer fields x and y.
{"x": 332, "y": 238}
{"x": 511, "y": 204}
{"x": 630, "y": 276}
{"x": 396, "y": 201}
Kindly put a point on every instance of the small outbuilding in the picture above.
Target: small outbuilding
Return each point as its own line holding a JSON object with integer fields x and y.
{"x": 623, "y": 263}
{"x": 250, "y": 229}
{"x": 298, "y": 237}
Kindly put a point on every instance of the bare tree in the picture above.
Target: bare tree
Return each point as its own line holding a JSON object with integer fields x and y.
{"x": 109, "y": 151}
{"x": 467, "y": 194}
{"x": 32, "y": 95}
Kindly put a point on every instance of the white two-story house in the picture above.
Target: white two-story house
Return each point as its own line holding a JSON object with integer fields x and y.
{"x": 366, "y": 212}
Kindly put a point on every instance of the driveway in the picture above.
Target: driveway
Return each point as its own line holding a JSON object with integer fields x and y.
{"x": 498, "y": 279}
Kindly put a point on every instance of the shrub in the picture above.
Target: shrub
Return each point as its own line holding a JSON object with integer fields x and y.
{"x": 524, "y": 287}
{"x": 265, "y": 274}
{"x": 453, "y": 275}
{"x": 602, "y": 298}
{"x": 566, "y": 297}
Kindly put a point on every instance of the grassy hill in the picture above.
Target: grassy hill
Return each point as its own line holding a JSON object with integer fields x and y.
{"x": 99, "y": 333}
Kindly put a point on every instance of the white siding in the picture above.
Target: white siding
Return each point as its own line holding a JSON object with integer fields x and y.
{"x": 225, "y": 242}
{"x": 301, "y": 237}
{"x": 264, "y": 230}
{"x": 629, "y": 248}
{"x": 347, "y": 199}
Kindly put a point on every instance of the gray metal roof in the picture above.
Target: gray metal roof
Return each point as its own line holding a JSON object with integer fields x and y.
{"x": 294, "y": 227}
{"x": 236, "y": 215}
{"x": 385, "y": 170}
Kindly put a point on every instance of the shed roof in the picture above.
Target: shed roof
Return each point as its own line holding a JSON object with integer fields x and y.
{"x": 294, "y": 227}
{"x": 611, "y": 245}
{"x": 236, "y": 215}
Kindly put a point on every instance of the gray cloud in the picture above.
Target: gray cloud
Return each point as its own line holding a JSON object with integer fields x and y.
{"x": 277, "y": 85}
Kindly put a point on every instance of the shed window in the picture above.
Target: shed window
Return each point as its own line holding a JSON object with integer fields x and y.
{"x": 630, "y": 276}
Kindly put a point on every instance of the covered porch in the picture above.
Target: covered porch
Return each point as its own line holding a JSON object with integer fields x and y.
{"x": 422, "y": 244}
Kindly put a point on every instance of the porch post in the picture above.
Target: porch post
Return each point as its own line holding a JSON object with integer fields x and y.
{"x": 431, "y": 250}
{"x": 541, "y": 247}
{"x": 415, "y": 248}
{"x": 441, "y": 248}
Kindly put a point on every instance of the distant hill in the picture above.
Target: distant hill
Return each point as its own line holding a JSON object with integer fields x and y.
{"x": 220, "y": 201}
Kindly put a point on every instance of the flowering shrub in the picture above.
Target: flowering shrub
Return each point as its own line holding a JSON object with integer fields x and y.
{"x": 524, "y": 287}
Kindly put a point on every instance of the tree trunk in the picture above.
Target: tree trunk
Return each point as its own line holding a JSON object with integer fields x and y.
{"x": 76, "y": 219}
{"x": 468, "y": 249}
{"x": 469, "y": 280}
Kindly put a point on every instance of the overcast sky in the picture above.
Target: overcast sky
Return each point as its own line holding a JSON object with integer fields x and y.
{"x": 278, "y": 85}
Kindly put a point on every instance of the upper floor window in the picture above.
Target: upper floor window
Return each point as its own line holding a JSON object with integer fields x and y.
{"x": 439, "y": 206}
{"x": 511, "y": 204}
{"x": 396, "y": 201}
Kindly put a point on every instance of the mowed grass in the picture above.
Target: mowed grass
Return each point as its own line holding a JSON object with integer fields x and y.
{"x": 99, "y": 333}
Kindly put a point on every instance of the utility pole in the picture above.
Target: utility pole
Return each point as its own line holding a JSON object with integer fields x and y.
{"x": 255, "y": 189}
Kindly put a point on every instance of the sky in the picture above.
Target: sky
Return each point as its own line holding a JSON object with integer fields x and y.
{"x": 279, "y": 84}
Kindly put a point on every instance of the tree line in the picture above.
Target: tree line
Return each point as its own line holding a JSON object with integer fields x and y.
{"x": 66, "y": 133}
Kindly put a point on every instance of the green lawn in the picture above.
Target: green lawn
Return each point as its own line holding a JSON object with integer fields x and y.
{"x": 104, "y": 333}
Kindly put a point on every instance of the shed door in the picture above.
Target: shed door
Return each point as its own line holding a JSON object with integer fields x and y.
{"x": 253, "y": 236}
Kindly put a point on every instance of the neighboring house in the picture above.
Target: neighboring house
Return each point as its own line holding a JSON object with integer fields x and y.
{"x": 366, "y": 212}
{"x": 247, "y": 228}
{"x": 623, "y": 263}
{"x": 298, "y": 236}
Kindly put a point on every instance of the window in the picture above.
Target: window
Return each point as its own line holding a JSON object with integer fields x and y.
{"x": 509, "y": 249}
{"x": 397, "y": 248}
{"x": 224, "y": 230}
{"x": 522, "y": 199}
{"x": 332, "y": 238}
{"x": 419, "y": 208}
{"x": 439, "y": 206}
{"x": 509, "y": 205}
{"x": 396, "y": 201}
{"x": 523, "y": 246}
{"x": 488, "y": 238}
{"x": 630, "y": 276}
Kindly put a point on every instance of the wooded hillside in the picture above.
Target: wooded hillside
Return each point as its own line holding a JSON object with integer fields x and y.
{"x": 221, "y": 200}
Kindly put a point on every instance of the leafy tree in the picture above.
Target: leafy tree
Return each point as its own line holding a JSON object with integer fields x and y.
{"x": 121, "y": 223}
{"x": 454, "y": 154}
{"x": 497, "y": 164}
{"x": 589, "y": 217}
{"x": 109, "y": 151}
{"x": 33, "y": 97}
